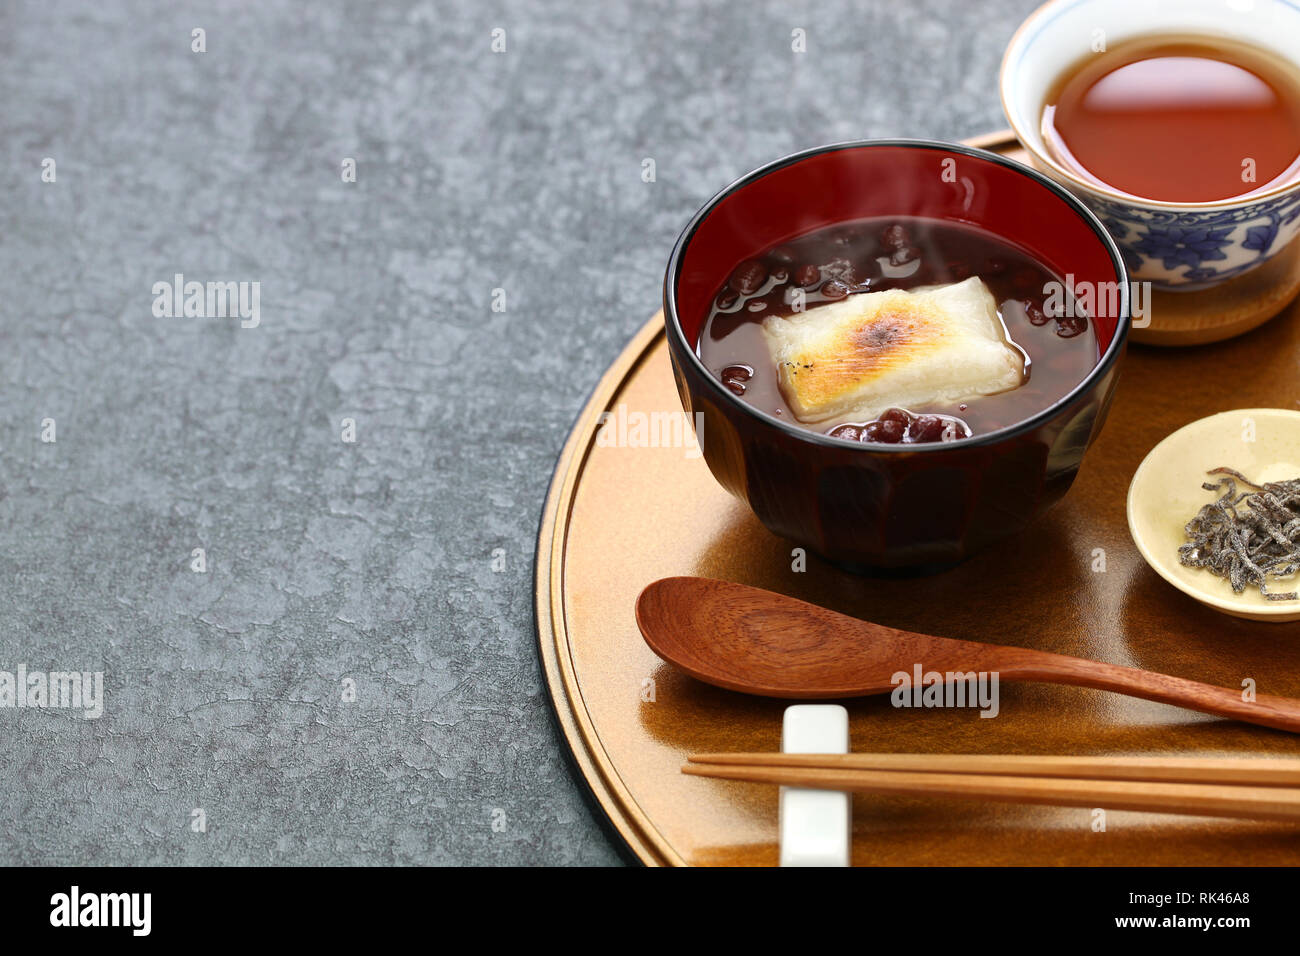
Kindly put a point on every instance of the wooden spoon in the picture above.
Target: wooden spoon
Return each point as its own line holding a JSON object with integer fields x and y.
{"x": 758, "y": 642}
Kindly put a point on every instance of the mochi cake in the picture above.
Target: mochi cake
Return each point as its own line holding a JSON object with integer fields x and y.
{"x": 855, "y": 358}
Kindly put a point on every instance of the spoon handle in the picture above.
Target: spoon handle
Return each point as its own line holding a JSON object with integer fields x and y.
{"x": 1268, "y": 710}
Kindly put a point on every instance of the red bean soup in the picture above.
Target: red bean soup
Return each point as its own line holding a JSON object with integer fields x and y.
{"x": 1038, "y": 312}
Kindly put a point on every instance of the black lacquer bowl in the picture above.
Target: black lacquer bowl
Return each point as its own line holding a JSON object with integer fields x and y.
{"x": 878, "y": 507}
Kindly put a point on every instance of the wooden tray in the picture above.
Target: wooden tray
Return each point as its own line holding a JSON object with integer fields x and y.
{"x": 617, "y": 518}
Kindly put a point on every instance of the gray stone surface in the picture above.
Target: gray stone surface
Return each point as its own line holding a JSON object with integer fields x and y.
{"x": 369, "y": 560}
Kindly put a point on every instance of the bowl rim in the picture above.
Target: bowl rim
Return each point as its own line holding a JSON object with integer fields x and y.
{"x": 1105, "y": 361}
{"x": 1018, "y": 40}
{"x": 1230, "y": 603}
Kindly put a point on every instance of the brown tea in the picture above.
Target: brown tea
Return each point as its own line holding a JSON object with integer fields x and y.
{"x": 1178, "y": 119}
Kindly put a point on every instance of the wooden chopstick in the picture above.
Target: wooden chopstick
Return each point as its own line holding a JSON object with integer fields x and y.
{"x": 1257, "y": 803}
{"x": 1256, "y": 772}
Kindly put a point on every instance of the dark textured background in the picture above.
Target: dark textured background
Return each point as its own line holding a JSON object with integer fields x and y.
{"x": 371, "y": 560}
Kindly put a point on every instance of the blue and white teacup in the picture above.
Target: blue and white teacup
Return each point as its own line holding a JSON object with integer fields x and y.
{"x": 1175, "y": 246}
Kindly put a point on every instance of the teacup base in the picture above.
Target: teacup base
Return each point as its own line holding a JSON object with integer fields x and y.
{"x": 1225, "y": 310}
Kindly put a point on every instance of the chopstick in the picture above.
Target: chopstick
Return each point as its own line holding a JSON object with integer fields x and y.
{"x": 1258, "y": 772}
{"x": 839, "y": 772}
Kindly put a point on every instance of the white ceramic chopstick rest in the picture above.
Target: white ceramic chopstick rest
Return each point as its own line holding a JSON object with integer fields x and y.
{"x": 816, "y": 825}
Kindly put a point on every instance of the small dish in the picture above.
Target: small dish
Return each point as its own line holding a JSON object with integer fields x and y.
{"x": 1166, "y": 492}
{"x": 1175, "y": 246}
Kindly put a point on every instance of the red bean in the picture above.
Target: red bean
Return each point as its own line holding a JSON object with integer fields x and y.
{"x": 897, "y": 425}
{"x": 1068, "y": 326}
{"x": 835, "y": 289}
{"x": 748, "y": 277}
{"x": 903, "y": 255}
{"x": 895, "y": 237}
{"x": 1035, "y": 312}
{"x": 925, "y": 428}
{"x": 891, "y": 432}
{"x": 735, "y": 377}
{"x": 808, "y": 276}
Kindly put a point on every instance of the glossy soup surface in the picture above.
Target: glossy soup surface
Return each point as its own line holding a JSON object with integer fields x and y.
{"x": 872, "y": 255}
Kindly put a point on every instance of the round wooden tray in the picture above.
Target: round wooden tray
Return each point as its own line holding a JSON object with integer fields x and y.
{"x": 617, "y": 518}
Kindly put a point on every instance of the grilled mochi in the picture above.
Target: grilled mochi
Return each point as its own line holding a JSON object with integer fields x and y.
{"x": 853, "y": 359}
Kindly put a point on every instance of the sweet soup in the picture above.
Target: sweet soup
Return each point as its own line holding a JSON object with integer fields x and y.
{"x": 1178, "y": 120}
{"x": 898, "y": 330}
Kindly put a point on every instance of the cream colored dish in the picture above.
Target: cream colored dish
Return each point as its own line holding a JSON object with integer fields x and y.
{"x": 1261, "y": 443}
